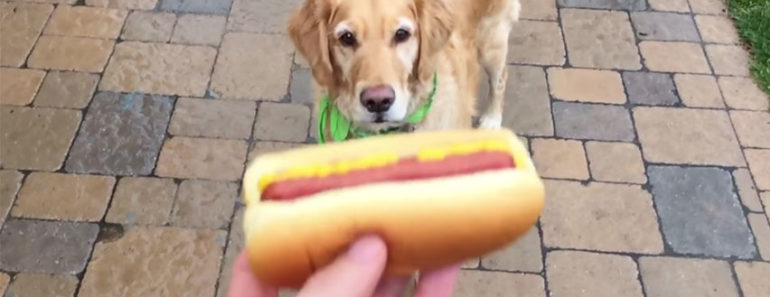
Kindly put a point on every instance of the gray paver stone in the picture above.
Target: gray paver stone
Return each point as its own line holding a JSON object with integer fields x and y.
{"x": 606, "y": 4}
{"x": 46, "y": 247}
{"x": 197, "y": 6}
{"x": 650, "y": 88}
{"x": 301, "y": 88}
{"x": 592, "y": 121}
{"x": 664, "y": 26}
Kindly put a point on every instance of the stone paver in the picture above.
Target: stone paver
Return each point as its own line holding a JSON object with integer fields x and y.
{"x": 717, "y": 29}
{"x": 70, "y": 53}
{"x": 759, "y": 166}
{"x": 765, "y": 198}
{"x": 752, "y": 127}
{"x": 681, "y": 136}
{"x": 36, "y": 138}
{"x": 746, "y": 189}
{"x": 761, "y": 231}
{"x": 4, "y": 280}
{"x": 592, "y": 121}
{"x": 586, "y": 85}
{"x": 664, "y": 26}
{"x": 267, "y": 16}
{"x": 265, "y": 147}
{"x": 494, "y": 284}
{"x": 708, "y": 6}
{"x": 45, "y": 246}
{"x": 49, "y": 285}
{"x": 605, "y": 4}
{"x": 674, "y": 57}
{"x": 262, "y": 76}
{"x": 121, "y": 134}
{"x": 700, "y": 214}
{"x": 197, "y": 6}
{"x": 19, "y": 86}
{"x": 129, "y": 4}
{"x": 177, "y": 262}
{"x": 527, "y": 109}
{"x": 752, "y": 277}
{"x": 666, "y": 276}
{"x": 301, "y": 86}
{"x": 615, "y": 162}
{"x": 599, "y": 216}
{"x": 560, "y": 158}
{"x": 213, "y": 118}
{"x": 142, "y": 201}
{"x": 204, "y": 204}
{"x": 64, "y": 196}
{"x": 10, "y": 182}
{"x": 599, "y": 39}
{"x": 86, "y": 21}
{"x": 149, "y": 26}
{"x": 582, "y": 274}
{"x": 539, "y": 10}
{"x": 670, "y": 5}
{"x": 743, "y": 93}
{"x": 698, "y": 90}
{"x": 67, "y": 89}
{"x": 215, "y": 159}
{"x": 647, "y": 88}
{"x": 154, "y": 68}
{"x": 199, "y": 29}
{"x": 536, "y": 42}
{"x": 728, "y": 59}
{"x": 20, "y": 26}
{"x": 234, "y": 247}
{"x": 522, "y": 256}
{"x": 282, "y": 122}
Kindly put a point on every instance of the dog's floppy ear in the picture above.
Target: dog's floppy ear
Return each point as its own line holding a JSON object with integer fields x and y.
{"x": 308, "y": 32}
{"x": 435, "y": 25}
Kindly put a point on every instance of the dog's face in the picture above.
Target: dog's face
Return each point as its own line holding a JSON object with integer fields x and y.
{"x": 369, "y": 54}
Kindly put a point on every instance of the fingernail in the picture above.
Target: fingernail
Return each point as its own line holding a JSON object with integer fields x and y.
{"x": 366, "y": 249}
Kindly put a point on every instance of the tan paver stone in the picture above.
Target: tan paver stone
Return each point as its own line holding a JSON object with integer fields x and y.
{"x": 583, "y": 274}
{"x": 746, "y": 189}
{"x": 282, "y": 122}
{"x": 753, "y": 127}
{"x": 51, "y": 1}
{"x": 61, "y": 196}
{"x": 142, "y": 201}
{"x": 538, "y": 10}
{"x": 523, "y": 256}
{"x": 765, "y": 197}
{"x": 708, "y": 6}
{"x": 152, "y": 261}
{"x": 264, "y": 74}
{"x": 496, "y": 284}
{"x": 265, "y": 147}
{"x": 687, "y": 136}
{"x": 761, "y": 230}
{"x": 149, "y": 26}
{"x": 215, "y": 159}
{"x": 728, "y": 59}
{"x": 674, "y": 57}
{"x": 71, "y": 53}
{"x": 698, "y": 90}
{"x": 213, "y": 118}
{"x": 86, "y": 21}
{"x": 204, "y": 204}
{"x": 67, "y": 89}
{"x": 536, "y": 42}
{"x": 36, "y": 138}
{"x": 560, "y": 158}
{"x": 154, "y": 68}
{"x": 19, "y": 86}
{"x": 234, "y": 248}
{"x": 752, "y": 277}
{"x": 10, "y": 182}
{"x": 615, "y": 162}
{"x": 717, "y": 29}
{"x": 267, "y": 16}
{"x": 586, "y": 85}
{"x": 4, "y": 280}
{"x": 20, "y": 26}
{"x": 670, "y": 5}
{"x": 129, "y": 4}
{"x": 759, "y": 164}
{"x": 600, "y": 39}
{"x": 600, "y": 216}
{"x": 668, "y": 276}
{"x": 743, "y": 93}
{"x": 199, "y": 29}
{"x": 48, "y": 285}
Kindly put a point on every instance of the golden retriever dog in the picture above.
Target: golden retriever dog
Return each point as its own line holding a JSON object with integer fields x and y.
{"x": 377, "y": 59}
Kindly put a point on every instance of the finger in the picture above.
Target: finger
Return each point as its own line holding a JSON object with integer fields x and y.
{"x": 393, "y": 287}
{"x": 354, "y": 274}
{"x": 243, "y": 283}
{"x": 438, "y": 283}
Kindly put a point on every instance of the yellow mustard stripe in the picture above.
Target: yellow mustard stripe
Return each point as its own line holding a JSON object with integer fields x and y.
{"x": 381, "y": 160}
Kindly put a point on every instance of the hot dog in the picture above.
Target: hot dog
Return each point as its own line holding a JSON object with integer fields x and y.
{"x": 436, "y": 198}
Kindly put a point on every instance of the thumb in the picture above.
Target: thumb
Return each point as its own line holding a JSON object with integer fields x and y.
{"x": 354, "y": 274}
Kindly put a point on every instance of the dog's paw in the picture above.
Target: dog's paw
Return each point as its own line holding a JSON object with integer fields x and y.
{"x": 491, "y": 121}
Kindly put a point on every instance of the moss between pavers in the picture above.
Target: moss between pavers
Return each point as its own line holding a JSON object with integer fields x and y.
{"x": 753, "y": 20}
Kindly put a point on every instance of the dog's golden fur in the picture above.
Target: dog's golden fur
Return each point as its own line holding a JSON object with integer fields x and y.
{"x": 448, "y": 37}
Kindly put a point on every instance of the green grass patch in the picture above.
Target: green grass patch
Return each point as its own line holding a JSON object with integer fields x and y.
{"x": 753, "y": 20}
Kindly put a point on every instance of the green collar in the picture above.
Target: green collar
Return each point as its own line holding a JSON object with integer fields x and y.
{"x": 340, "y": 128}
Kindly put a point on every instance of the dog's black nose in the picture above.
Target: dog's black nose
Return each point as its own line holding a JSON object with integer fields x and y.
{"x": 378, "y": 99}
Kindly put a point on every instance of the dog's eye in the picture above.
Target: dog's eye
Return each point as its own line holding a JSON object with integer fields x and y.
{"x": 348, "y": 39}
{"x": 401, "y": 35}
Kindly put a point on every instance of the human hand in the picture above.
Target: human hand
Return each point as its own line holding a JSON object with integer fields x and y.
{"x": 357, "y": 273}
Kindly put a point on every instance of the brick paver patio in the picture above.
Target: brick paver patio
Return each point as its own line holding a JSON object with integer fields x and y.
{"x": 125, "y": 126}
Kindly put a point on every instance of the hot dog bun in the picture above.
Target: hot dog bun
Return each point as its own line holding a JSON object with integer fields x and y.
{"x": 426, "y": 223}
